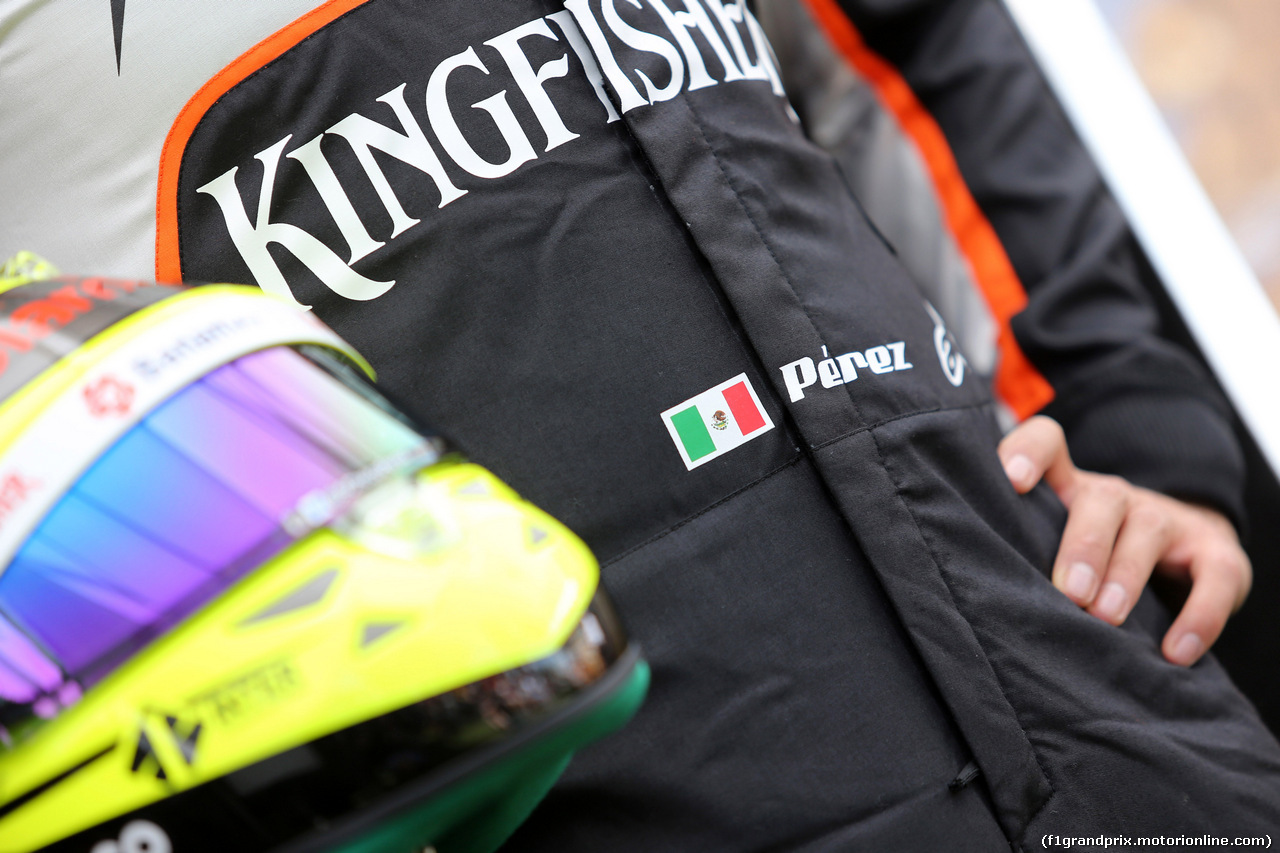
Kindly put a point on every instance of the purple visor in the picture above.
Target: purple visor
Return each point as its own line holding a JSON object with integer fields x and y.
{"x": 193, "y": 497}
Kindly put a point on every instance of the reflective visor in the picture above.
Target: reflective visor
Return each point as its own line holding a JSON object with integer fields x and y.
{"x": 191, "y": 498}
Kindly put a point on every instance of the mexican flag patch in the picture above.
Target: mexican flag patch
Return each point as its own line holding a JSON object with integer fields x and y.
{"x": 716, "y": 421}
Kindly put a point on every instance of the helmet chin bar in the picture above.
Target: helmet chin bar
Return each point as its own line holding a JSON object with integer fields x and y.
{"x": 335, "y": 790}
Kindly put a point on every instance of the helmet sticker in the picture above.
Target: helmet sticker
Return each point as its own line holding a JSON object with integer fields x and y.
{"x": 42, "y": 321}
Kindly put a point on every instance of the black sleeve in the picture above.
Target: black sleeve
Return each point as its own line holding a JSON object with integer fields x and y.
{"x": 1132, "y": 402}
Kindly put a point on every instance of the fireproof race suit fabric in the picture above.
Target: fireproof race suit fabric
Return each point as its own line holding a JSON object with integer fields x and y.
{"x": 558, "y": 231}
{"x": 922, "y": 101}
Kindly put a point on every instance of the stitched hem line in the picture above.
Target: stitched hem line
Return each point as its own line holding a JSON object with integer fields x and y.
{"x": 919, "y": 412}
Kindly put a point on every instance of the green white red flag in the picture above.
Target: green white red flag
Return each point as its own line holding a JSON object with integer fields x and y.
{"x": 716, "y": 421}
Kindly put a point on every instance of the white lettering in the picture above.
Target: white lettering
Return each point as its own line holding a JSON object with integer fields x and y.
{"x": 340, "y": 207}
{"x": 446, "y": 127}
{"x": 842, "y": 369}
{"x": 880, "y": 360}
{"x": 530, "y": 81}
{"x": 829, "y": 373}
{"x": 846, "y": 362}
{"x": 409, "y": 147}
{"x": 409, "y": 144}
{"x": 730, "y": 16}
{"x": 900, "y": 356}
{"x": 649, "y": 43}
{"x": 572, "y": 34}
{"x": 252, "y": 240}
{"x": 696, "y": 18}
{"x": 797, "y": 376}
{"x": 628, "y": 97}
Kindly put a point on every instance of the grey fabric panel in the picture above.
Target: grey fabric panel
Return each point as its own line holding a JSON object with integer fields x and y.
{"x": 841, "y": 113}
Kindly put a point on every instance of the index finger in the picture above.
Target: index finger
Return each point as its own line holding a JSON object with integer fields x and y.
{"x": 1036, "y": 449}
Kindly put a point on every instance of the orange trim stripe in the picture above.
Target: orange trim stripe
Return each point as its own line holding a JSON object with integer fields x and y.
{"x": 168, "y": 256}
{"x": 1017, "y": 382}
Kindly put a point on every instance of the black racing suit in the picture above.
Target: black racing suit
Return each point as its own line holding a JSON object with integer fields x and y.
{"x": 549, "y": 224}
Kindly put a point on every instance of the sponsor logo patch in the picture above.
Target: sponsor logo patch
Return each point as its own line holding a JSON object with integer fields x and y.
{"x": 949, "y": 357}
{"x": 422, "y": 122}
{"x": 14, "y": 490}
{"x": 108, "y": 396}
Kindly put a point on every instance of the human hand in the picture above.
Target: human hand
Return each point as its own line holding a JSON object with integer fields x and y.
{"x": 1117, "y": 534}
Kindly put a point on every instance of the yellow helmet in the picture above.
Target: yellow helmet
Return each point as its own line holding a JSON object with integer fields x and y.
{"x": 246, "y": 604}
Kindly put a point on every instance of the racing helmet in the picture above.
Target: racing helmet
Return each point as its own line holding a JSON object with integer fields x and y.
{"x": 246, "y": 604}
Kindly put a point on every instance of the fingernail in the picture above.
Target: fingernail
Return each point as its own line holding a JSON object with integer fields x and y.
{"x": 1112, "y": 603}
{"x": 1188, "y": 649}
{"x": 1080, "y": 578}
{"x": 1020, "y": 471}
